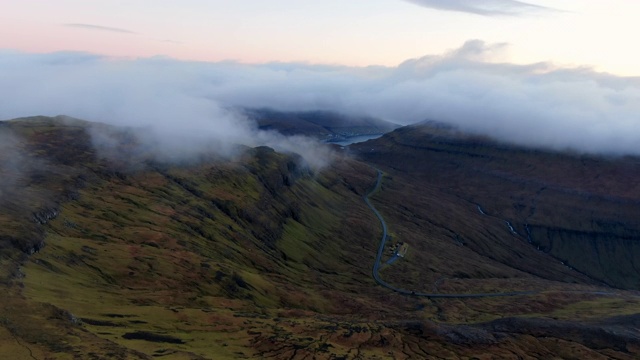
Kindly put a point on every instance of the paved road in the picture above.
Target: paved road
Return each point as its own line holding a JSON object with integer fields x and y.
{"x": 383, "y": 241}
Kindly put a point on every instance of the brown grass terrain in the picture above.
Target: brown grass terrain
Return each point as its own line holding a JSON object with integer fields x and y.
{"x": 119, "y": 256}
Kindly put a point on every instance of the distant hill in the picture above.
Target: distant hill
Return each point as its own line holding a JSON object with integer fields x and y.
{"x": 115, "y": 254}
{"x": 323, "y": 125}
{"x": 580, "y": 210}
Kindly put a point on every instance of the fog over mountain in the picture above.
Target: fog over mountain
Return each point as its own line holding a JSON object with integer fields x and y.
{"x": 11, "y": 165}
{"x": 192, "y": 102}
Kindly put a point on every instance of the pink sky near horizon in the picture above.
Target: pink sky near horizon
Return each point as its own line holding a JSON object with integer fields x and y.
{"x": 356, "y": 33}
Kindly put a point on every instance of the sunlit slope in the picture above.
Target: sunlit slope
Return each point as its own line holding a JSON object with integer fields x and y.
{"x": 207, "y": 239}
{"x": 253, "y": 233}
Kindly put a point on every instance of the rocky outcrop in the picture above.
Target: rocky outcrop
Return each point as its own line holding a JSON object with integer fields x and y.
{"x": 45, "y": 215}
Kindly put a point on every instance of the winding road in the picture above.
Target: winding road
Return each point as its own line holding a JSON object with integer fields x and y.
{"x": 383, "y": 241}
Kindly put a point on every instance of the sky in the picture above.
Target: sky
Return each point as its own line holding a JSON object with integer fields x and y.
{"x": 593, "y": 33}
{"x": 560, "y": 74}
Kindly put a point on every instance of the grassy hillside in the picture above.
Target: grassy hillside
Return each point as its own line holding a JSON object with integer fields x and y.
{"x": 118, "y": 255}
{"x": 577, "y": 214}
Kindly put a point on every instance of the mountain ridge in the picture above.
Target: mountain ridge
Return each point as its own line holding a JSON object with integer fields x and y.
{"x": 258, "y": 256}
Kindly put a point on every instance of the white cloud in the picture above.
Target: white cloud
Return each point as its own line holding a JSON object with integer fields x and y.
{"x": 484, "y": 7}
{"x": 536, "y": 105}
{"x": 99, "y": 28}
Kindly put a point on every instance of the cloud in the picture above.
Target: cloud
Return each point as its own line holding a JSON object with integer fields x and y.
{"x": 484, "y": 7}
{"x": 165, "y": 101}
{"x": 18, "y": 169}
{"x": 99, "y": 28}
{"x": 188, "y": 105}
{"x": 172, "y": 42}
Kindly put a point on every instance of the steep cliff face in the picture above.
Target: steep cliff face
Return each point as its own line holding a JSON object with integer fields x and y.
{"x": 580, "y": 210}
{"x": 612, "y": 257}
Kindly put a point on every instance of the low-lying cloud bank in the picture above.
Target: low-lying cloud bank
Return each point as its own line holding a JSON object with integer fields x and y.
{"x": 186, "y": 103}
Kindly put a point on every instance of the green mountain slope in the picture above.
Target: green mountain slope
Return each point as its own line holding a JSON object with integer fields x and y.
{"x": 114, "y": 254}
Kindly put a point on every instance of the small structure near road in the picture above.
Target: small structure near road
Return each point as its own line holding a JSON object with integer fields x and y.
{"x": 402, "y": 250}
{"x": 397, "y": 251}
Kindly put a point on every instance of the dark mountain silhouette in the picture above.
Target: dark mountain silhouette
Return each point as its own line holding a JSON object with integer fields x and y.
{"x": 323, "y": 125}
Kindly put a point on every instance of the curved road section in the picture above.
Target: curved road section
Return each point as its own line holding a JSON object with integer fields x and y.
{"x": 383, "y": 241}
